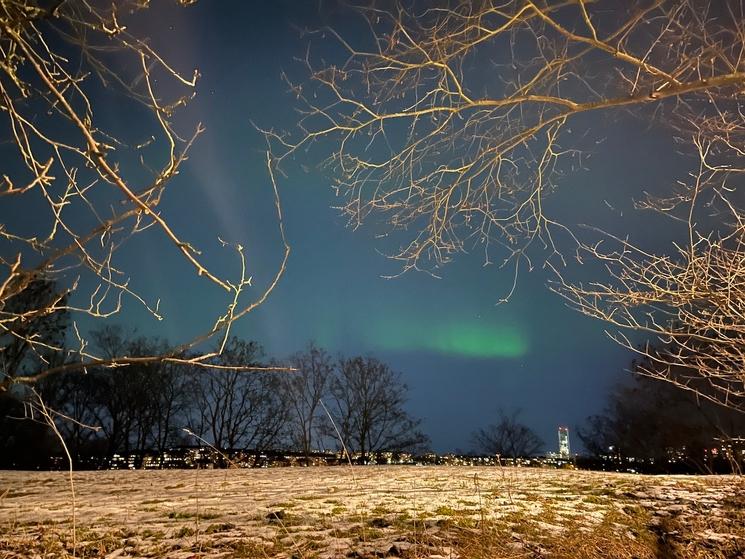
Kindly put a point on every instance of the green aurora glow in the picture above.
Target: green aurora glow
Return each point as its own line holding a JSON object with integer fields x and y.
{"x": 460, "y": 338}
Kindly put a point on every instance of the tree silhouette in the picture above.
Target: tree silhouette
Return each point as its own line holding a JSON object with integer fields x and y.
{"x": 647, "y": 418}
{"x": 234, "y": 409}
{"x": 305, "y": 389}
{"x": 367, "y": 407}
{"x": 508, "y": 437}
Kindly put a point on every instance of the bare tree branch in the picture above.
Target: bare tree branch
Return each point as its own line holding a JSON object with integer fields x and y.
{"x": 452, "y": 124}
{"x": 59, "y": 67}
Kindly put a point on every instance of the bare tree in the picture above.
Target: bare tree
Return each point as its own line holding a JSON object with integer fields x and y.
{"x": 647, "y": 418}
{"x": 23, "y": 444}
{"x": 173, "y": 388}
{"x": 305, "y": 389}
{"x": 238, "y": 410}
{"x": 35, "y": 342}
{"x": 368, "y": 399}
{"x": 454, "y": 122}
{"x": 74, "y": 397}
{"x": 508, "y": 438}
{"x": 145, "y": 406}
{"x": 138, "y": 407}
{"x": 90, "y": 186}
{"x": 122, "y": 400}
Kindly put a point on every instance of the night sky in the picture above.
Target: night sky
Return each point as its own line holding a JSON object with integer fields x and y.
{"x": 463, "y": 355}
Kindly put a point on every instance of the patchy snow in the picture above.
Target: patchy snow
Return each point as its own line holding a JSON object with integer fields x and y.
{"x": 334, "y": 511}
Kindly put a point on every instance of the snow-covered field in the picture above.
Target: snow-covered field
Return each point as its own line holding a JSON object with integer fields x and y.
{"x": 394, "y": 511}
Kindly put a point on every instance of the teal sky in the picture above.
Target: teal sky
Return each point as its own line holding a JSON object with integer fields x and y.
{"x": 463, "y": 355}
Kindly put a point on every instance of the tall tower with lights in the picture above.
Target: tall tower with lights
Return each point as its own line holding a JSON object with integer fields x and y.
{"x": 564, "y": 442}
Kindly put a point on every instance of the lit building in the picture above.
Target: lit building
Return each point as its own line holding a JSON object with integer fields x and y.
{"x": 564, "y": 442}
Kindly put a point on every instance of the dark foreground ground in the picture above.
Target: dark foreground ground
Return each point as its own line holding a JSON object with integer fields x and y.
{"x": 387, "y": 511}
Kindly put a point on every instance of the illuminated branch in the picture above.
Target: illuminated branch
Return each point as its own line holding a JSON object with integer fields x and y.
{"x": 691, "y": 303}
{"x": 452, "y": 125}
{"x": 58, "y": 64}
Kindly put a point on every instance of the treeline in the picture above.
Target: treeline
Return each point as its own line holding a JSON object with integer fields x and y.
{"x": 664, "y": 428}
{"x": 315, "y": 403}
{"x": 151, "y": 407}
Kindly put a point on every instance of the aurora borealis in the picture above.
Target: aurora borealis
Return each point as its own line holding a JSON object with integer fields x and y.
{"x": 464, "y": 340}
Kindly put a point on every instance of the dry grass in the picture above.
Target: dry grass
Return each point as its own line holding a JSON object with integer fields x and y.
{"x": 616, "y": 537}
{"x": 405, "y": 512}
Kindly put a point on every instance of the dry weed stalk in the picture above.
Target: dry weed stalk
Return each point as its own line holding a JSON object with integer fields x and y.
{"x": 455, "y": 123}
{"x": 38, "y": 411}
{"x": 88, "y": 186}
